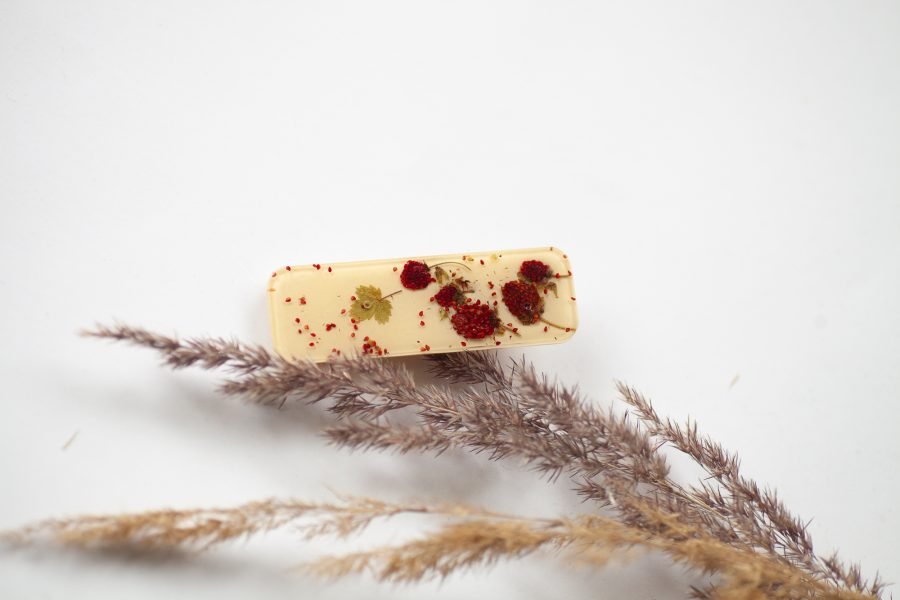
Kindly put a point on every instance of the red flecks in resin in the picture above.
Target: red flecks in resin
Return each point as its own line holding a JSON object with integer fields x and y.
{"x": 476, "y": 300}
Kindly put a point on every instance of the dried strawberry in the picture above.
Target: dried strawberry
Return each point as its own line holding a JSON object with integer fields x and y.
{"x": 540, "y": 274}
{"x": 523, "y": 301}
{"x": 535, "y": 271}
{"x": 415, "y": 275}
{"x": 449, "y": 295}
{"x": 475, "y": 321}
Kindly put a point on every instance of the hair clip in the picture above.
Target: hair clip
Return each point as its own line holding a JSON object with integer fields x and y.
{"x": 426, "y": 304}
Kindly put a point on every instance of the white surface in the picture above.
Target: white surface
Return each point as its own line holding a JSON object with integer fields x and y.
{"x": 724, "y": 176}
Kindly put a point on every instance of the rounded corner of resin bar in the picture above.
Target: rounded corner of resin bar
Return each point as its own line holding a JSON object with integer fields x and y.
{"x": 559, "y": 251}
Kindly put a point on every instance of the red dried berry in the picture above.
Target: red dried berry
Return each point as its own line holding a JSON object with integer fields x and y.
{"x": 448, "y": 296}
{"x": 535, "y": 271}
{"x": 474, "y": 321}
{"x": 415, "y": 275}
{"x": 523, "y": 301}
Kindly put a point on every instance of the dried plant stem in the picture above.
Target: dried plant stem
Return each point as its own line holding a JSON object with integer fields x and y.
{"x": 473, "y": 537}
{"x": 765, "y": 521}
{"x": 208, "y": 353}
{"x": 738, "y": 511}
{"x": 614, "y": 458}
{"x": 204, "y": 528}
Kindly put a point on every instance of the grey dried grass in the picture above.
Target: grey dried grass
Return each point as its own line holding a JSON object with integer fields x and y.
{"x": 725, "y": 525}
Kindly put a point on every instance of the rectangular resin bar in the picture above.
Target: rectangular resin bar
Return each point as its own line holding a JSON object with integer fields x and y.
{"x": 423, "y": 304}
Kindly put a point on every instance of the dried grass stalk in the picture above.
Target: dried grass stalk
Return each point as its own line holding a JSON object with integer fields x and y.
{"x": 204, "y": 528}
{"x": 473, "y": 537}
{"x": 726, "y": 525}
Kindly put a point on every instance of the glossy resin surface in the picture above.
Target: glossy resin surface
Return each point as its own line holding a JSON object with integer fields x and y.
{"x": 423, "y": 304}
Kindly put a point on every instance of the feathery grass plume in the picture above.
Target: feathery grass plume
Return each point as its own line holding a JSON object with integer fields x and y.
{"x": 609, "y": 455}
{"x": 454, "y": 547}
{"x": 518, "y": 412}
{"x": 208, "y": 353}
{"x": 477, "y": 368}
{"x": 472, "y": 537}
{"x": 259, "y": 376}
{"x": 745, "y": 514}
{"x": 359, "y": 434}
{"x": 162, "y": 529}
{"x": 206, "y": 527}
{"x": 757, "y": 513}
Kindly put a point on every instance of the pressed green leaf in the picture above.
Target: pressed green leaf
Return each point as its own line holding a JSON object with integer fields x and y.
{"x": 383, "y": 311}
{"x": 369, "y": 303}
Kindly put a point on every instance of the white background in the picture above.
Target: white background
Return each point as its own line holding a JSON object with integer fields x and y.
{"x": 724, "y": 177}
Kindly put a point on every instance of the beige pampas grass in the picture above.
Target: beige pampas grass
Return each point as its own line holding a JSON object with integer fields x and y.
{"x": 725, "y": 525}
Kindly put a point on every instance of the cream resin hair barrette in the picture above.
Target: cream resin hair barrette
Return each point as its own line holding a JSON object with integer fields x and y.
{"x": 424, "y": 304}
